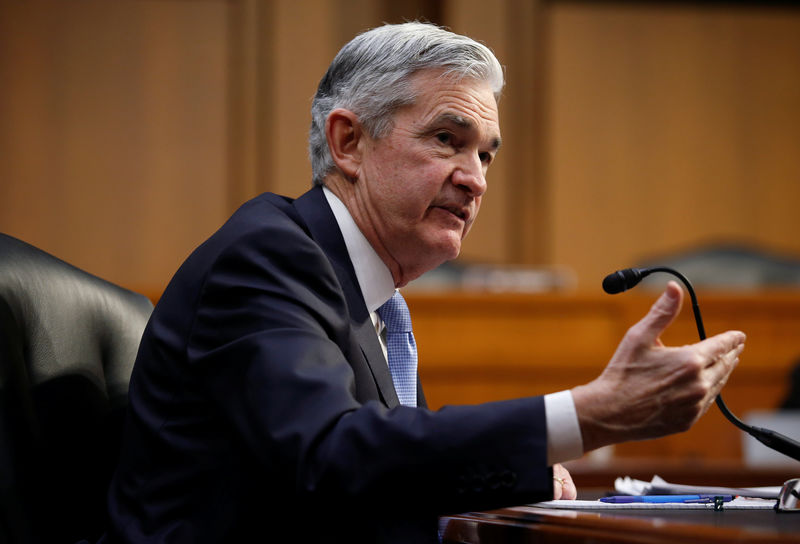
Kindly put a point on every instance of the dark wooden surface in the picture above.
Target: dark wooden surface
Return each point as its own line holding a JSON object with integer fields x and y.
{"x": 525, "y": 524}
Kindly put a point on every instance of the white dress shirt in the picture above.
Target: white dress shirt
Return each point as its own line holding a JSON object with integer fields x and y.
{"x": 564, "y": 440}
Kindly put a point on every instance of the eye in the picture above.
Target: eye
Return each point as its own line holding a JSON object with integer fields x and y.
{"x": 485, "y": 157}
{"x": 444, "y": 137}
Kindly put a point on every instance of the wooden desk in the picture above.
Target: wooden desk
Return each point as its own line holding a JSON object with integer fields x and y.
{"x": 527, "y": 524}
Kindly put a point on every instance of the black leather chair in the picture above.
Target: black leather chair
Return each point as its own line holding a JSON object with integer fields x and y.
{"x": 68, "y": 341}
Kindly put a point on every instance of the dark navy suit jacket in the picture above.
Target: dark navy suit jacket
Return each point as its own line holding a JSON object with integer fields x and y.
{"x": 261, "y": 403}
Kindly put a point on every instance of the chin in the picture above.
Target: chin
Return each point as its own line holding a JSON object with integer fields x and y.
{"x": 448, "y": 250}
{"x": 431, "y": 251}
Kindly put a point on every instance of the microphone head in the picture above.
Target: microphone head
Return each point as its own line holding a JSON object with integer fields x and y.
{"x": 622, "y": 280}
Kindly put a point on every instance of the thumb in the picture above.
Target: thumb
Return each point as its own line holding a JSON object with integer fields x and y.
{"x": 662, "y": 313}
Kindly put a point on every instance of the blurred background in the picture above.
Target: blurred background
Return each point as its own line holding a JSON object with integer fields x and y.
{"x": 634, "y": 132}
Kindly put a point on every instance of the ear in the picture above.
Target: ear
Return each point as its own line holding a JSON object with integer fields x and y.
{"x": 343, "y": 130}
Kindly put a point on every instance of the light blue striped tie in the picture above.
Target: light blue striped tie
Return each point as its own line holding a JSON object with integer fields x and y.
{"x": 401, "y": 348}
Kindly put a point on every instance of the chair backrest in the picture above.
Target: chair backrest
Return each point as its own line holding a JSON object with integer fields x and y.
{"x": 68, "y": 341}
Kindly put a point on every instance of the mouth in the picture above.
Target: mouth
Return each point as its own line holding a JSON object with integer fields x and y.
{"x": 461, "y": 212}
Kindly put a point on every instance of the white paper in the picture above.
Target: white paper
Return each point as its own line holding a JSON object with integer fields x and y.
{"x": 739, "y": 503}
{"x": 659, "y": 486}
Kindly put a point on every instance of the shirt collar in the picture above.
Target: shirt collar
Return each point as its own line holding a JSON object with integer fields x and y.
{"x": 374, "y": 277}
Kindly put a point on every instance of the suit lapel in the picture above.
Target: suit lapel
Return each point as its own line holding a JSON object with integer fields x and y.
{"x": 321, "y": 223}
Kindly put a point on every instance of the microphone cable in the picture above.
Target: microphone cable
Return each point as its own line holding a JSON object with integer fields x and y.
{"x": 622, "y": 280}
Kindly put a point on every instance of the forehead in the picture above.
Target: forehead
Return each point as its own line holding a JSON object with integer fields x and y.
{"x": 467, "y": 102}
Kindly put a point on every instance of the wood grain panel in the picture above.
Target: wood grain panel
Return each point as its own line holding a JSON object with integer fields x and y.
{"x": 129, "y": 130}
{"x": 113, "y": 131}
{"x": 670, "y": 126}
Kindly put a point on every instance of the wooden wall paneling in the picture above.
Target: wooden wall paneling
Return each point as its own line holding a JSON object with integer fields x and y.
{"x": 530, "y": 233}
{"x": 670, "y": 126}
{"x": 303, "y": 44}
{"x": 771, "y": 59}
{"x": 250, "y": 86}
{"x": 112, "y": 135}
{"x": 130, "y": 130}
{"x": 399, "y": 11}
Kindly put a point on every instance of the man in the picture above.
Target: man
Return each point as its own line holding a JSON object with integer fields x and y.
{"x": 261, "y": 400}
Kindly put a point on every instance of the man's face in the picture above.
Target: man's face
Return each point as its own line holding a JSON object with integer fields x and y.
{"x": 421, "y": 185}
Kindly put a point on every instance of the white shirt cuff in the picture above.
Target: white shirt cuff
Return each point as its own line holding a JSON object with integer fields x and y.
{"x": 564, "y": 441}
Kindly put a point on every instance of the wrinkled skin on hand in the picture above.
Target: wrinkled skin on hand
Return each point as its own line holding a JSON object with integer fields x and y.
{"x": 648, "y": 389}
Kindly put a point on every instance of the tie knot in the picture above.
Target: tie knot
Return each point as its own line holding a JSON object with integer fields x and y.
{"x": 395, "y": 314}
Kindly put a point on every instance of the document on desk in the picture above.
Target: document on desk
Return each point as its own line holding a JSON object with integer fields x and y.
{"x": 658, "y": 494}
{"x": 659, "y": 486}
{"x": 738, "y": 503}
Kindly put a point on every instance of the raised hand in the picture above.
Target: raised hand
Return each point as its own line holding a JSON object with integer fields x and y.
{"x": 648, "y": 389}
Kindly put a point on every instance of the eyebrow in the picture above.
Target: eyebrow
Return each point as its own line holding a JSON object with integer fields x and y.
{"x": 465, "y": 123}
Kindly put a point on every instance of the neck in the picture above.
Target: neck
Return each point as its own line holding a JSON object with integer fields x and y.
{"x": 345, "y": 190}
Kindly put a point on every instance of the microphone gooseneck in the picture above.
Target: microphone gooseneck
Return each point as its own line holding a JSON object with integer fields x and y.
{"x": 622, "y": 280}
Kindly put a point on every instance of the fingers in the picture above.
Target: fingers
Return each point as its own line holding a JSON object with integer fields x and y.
{"x": 721, "y": 363}
{"x": 720, "y": 354}
{"x": 721, "y": 345}
{"x": 712, "y": 364}
{"x": 563, "y": 486}
{"x": 661, "y": 314}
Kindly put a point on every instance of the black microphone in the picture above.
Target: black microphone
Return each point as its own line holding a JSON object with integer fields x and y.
{"x": 622, "y": 280}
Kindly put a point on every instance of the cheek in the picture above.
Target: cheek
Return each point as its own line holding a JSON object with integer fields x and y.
{"x": 407, "y": 181}
{"x": 474, "y": 217}
{"x": 418, "y": 185}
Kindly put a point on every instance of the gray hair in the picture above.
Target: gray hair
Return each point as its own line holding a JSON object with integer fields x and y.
{"x": 372, "y": 73}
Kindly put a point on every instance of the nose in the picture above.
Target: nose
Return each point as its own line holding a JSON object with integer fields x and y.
{"x": 470, "y": 176}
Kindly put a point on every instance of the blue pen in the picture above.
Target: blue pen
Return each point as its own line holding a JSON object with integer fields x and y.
{"x": 666, "y": 498}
